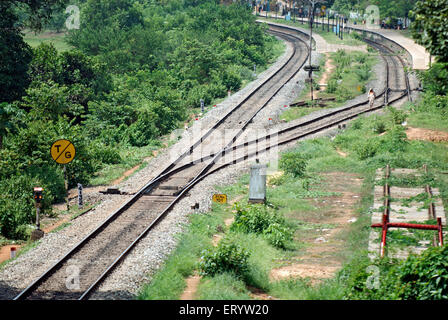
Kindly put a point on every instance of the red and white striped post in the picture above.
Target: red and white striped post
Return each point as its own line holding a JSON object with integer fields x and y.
{"x": 13, "y": 252}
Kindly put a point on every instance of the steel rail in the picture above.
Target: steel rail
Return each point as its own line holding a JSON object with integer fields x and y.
{"x": 26, "y": 292}
{"x": 406, "y": 78}
{"x": 199, "y": 177}
{"x": 203, "y": 174}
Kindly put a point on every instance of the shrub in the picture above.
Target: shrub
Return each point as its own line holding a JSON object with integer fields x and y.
{"x": 357, "y": 124}
{"x": 259, "y": 220}
{"x": 379, "y": 126}
{"x": 141, "y": 132}
{"x": 17, "y": 205}
{"x": 278, "y": 234}
{"x": 227, "y": 257}
{"x": 396, "y": 140}
{"x": 397, "y": 116}
{"x": 363, "y": 73}
{"x": 361, "y": 58}
{"x": 419, "y": 277}
{"x": 366, "y": 149}
{"x": 434, "y": 104}
{"x": 332, "y": 86}
{"x": 231, "y": 78}
{"x": 425, "y": 276}
{"x": 106, "y": 154}
{"x": 293, "y": 163}
{"x": 435, "y": 80}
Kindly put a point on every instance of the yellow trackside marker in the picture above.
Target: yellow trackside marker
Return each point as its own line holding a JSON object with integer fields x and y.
{"x": 63, "y": 151}
{"x": 219, "y": 198}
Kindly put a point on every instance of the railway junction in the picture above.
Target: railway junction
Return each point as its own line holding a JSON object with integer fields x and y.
{"x": 111, "y": 249}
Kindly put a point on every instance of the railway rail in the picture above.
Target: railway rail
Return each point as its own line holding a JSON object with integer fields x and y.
{"x": 100, "y": 252}
{"x": 386, "y": 223}
{"x": 103, "y": 249}
{"x": 396, "y": 88}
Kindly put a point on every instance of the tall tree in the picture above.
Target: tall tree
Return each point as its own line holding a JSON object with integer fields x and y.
{"x": 15, "y": 53}
{"x": 430, "y": 26}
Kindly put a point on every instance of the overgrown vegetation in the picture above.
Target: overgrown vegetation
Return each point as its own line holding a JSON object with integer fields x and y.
{"x": 136, "y": 71}
{"x": 419, "y": 277}
{"x": 348, "y": 80}
{"x": 261, "y": 220}
{"x": 353, "y": 71}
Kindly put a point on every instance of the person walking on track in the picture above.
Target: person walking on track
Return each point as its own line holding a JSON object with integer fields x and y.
{"x": 371, "y": 95}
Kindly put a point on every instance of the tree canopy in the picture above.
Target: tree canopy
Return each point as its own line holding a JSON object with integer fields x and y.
{"x": 392, "y": 9}
{"x": 430, "y": 26}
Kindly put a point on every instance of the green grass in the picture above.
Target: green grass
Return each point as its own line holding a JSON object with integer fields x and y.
{"x": 289, "y": 197}
{"x": 225, "y": 286}
{"x": 298, "y": 112}
{"x": 348, "y": 80}
{"x": 131, "y": 157}
{"x": 169, "y": 282}
{"x": 57, "y": 39}
{"x": 428, "y": 120}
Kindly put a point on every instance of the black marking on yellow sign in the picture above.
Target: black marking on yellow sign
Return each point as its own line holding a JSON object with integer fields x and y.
{"x": 219, "y": 198}
{"x": 63, "y": 151}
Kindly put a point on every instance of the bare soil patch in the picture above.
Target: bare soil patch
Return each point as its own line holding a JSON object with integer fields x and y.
{"x": 321, "y": 259}
{"x": 192, "y": 286}
{"x": 341, "y": 153}
{"x": 329, "y": 67}
{"x": 426, "y": 135}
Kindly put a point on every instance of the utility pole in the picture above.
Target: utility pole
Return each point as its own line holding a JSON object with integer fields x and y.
{"x": 310, "y": 72}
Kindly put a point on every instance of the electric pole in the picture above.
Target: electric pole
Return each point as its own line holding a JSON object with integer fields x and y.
{"x": 310, "y": 72}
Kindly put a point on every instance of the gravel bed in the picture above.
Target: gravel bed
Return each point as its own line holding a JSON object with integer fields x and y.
{"x": 22, "y": 271}
{"x": 148, "y": 256}
{"x": 193, "y": 133}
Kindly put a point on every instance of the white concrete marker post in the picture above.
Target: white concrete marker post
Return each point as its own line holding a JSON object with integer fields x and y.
{"x": 257, "y": 186}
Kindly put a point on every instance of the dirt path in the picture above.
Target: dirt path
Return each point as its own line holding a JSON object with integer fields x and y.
{"x": 322, "y": 258}
{"x": 426, "y": 135}
{"x": 328, "y": 70}
{"x": 192, "y": 286}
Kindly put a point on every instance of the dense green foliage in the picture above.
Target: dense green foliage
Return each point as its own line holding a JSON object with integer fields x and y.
{"x": 388, "y": 9}
{"x": 260, "y": 220}
{"x": 16, "y": 55}
{"x": 419, "y": 277}
{"x": 228, "y": 256}
{"x": 293, "y": 163}
{"x": 138, "y": 70}
{"x": 429, "y": 27}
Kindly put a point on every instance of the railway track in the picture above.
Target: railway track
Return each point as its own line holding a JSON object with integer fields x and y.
{"x": 101, "y": 251}
{"x": 412, "y": 219}
{"x": 396, "y": 88}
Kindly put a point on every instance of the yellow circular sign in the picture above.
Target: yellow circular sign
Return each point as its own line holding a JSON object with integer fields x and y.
{"x": 63, "y": 151}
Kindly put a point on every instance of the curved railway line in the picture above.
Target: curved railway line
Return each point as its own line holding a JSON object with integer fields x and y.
{"x": 102, "y": 250}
